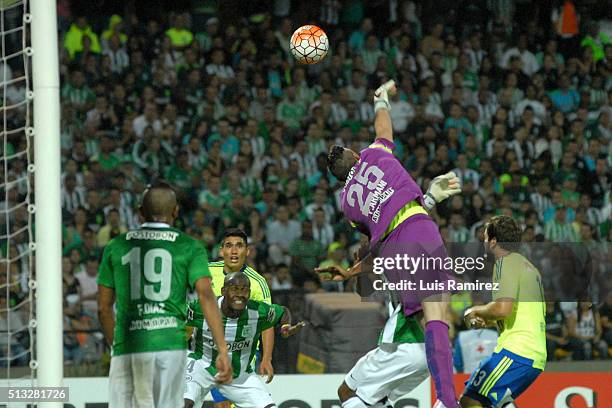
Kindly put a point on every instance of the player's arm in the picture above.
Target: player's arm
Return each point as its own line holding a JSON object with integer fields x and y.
{"x": 287, "y": 329}
{"x": 336, "y": 273}
{"x": 267, "y": 343}
{"x": 106, "y": 300}
{"x": 267, "y": 338}
{"x": 210, "y": 309}
{"x": 106, "y": 294}
{"x": 382, "y": 119}
{"x": 492, "y": 311}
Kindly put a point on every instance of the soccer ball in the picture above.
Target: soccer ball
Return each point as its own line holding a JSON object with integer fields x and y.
{"x": 309, "y": 44}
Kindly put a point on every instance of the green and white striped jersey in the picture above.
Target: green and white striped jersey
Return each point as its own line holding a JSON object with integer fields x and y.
{"x": 400, "y": 328}
{"x": 241, "y": 334}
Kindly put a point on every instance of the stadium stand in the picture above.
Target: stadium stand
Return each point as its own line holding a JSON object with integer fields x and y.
{"x": 516, "y": 99}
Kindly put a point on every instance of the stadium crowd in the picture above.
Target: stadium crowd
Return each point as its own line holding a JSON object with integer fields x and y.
{"x": 521, "y": 111}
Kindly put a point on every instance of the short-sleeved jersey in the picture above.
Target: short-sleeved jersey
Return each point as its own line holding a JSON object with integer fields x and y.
{"x": 524, "y": 331}
{"x": 241, "y": 334}
{"x": 376, "y": 188}
{"x": 260, "y": 291}
{"x": 150, "y": 270}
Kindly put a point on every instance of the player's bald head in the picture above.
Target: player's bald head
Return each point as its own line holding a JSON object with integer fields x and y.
{"x": 159, "y": 203}
{"x": 237, "y": 279}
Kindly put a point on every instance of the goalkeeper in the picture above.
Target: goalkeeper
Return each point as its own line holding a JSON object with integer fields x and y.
{"x": 383, "y": 201}
{"x": 243, "y": 322}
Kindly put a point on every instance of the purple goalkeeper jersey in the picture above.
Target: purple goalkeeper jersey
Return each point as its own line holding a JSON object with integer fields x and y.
{"x": 377, "y": 187}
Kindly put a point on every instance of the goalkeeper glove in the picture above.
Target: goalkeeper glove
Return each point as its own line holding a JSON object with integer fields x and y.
{"x": 381, "y": 96}
{"x": 440, "y": 189}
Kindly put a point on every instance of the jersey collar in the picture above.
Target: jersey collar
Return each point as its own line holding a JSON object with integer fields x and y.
{"x": 154, "y": 225}
{"x": 241, "y": 269}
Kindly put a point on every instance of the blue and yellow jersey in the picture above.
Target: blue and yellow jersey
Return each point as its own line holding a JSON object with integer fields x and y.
{"x": 259, "y": 286}
{"x": 524, "y": 331}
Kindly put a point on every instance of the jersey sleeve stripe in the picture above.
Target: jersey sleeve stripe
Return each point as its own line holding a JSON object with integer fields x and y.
{"x": 380, "y": 146}
{"x": 260, "y": 279}
{"x": 262, "y": 283}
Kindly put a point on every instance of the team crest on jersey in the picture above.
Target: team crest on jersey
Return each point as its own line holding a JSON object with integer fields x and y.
{"x": 246, "y": 331}
{"x": 189, "y": 313}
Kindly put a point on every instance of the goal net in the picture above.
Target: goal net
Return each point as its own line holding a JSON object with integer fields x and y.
{"x": 17, "y": 283}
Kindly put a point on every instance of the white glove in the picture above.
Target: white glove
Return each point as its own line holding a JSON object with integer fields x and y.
{"x": 381, "y": 95}
{"x": 441, "y": 188}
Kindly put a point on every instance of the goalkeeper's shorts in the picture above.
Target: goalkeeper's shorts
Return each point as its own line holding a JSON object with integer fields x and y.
{"x": 416, "y": 238}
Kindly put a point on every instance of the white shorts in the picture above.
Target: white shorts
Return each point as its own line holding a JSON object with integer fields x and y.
{"x": 390, "y": 370}
{"x": 246, "y": 391}
{"x": 152, "y": 379}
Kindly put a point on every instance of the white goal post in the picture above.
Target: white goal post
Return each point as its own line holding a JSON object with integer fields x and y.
{"x": 47, "y": 159}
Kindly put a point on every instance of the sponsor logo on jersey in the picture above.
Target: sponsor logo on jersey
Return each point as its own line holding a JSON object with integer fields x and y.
{"x": 155, "y": 323}
{"x": 152, "y": 235}
{"x": 232, "y": 345}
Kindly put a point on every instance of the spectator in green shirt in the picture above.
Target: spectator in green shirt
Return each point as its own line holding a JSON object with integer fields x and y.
{"x": 306, "y": 253}
{"x": 180, "y": 172}
{"x": 213, "y": 199}
{"x": 290, "y": 111}
{"x": 107, "y": 158}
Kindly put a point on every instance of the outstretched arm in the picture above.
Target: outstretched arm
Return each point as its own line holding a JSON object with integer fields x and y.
{"x": 441, "y": 188}
{"x": 285, "y": 323}
{"x": 382, "y": 119}
{"x": 382, "y": 125}
{"x": 492, "y": 311}
{"x": 340, "y": 274}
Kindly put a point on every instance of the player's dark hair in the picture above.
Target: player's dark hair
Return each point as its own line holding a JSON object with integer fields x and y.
{"x": 236, "y": 232}
{"x": 339, "y": 162}
{"x": 505, "y": 230}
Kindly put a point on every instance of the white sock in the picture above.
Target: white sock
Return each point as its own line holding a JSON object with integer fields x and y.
{"x": 354, "y": 402}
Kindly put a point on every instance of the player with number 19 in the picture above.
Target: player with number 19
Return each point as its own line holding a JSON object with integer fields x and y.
{"x": 145, "y": 273}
